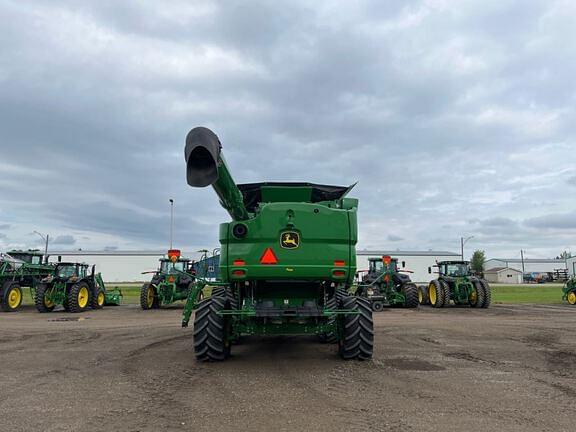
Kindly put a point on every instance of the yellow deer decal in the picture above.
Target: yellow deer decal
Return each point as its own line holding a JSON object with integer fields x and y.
{"x": 288, "y": 240}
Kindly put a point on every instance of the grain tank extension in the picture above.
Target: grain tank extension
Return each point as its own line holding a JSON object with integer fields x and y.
{"x": 287, "y": 260}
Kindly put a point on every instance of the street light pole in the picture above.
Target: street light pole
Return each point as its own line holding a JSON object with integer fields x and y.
{"x": 171, "y": 222}
{"x": 46, "y": 239}
{"x": 462, "y": 243}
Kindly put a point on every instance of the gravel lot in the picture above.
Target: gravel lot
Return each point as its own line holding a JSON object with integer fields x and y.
{"x": 508, "y": 368}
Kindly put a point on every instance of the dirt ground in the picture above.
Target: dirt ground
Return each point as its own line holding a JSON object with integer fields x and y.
{"x": 508, "y": 368}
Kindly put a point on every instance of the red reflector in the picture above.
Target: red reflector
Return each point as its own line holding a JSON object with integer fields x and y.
{"x": 239, "y": 262}
{"x": 238, "y": 272}
{"x": 268, "y": 257}
{"x": 339, "y": 263}
{"x": 339, "y": 273}
{"x": 386, "y": 259}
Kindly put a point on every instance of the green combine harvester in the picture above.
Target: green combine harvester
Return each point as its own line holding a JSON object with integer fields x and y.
{"x": 19, "y": 269}
{"x": 456, "y": 283}
{"x": 171, "y": 282}
{"x": 569, "y": 291}
{"x": 287, "y": 260}
{"x": 384, "y": 285}
{"x": 71, "y": 286}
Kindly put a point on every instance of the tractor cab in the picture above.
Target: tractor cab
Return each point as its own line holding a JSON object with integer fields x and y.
{"x": 66, "y": 271}
{"x": 168, "y": 266}
{"x": 377, "y": 265}
{"x": 454, "y": 269}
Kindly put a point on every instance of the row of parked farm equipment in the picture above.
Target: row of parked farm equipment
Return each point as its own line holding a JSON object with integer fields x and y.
{"x": 71, "y": 285}
{"x": 386, "y": 285}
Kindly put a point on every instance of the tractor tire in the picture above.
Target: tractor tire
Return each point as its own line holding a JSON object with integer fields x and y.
{"x": 43, "y": 304}
{"x": 357, "y": 330}
{"x": 410, "y": 291}
{"x": 571, "y": 297}
{"x": 98, "y": 298}
{"x": 226, "y": 292}
{"x": 377, "y": 306}
{"x": 487, "y": 294}
{"x": 436, "y": 294}
{"x": 332, "y": 303}
{"x": 11, "y": 298}
{"x": 211, "y": 330}
{"x": 79, "y": 297}
{"x": 447, "y": 295}
{"x": 423, "y": 295}
{"x": 477, "y": 298}
{"x": 149, "y": 297}
{"x": 330, "y": 337}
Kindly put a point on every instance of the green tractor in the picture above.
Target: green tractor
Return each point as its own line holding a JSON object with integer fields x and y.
{"x": 20, "y": 269}
{"x": 457, "y": 283}
{"x": 287, "y": 261}
{"x": 569, "y": 291}
{"x": 171, "y": 282}
{"x": 71, "y": 286}
{"x": 384, "y": 284}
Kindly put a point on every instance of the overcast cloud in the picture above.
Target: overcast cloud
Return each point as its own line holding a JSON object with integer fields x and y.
{"x": 457, "y": 118}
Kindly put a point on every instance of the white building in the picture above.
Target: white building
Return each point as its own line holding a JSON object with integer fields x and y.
{"x": 415, "y": 261}
{"x": 504, "y": 275}
{"x": 571, "y": 265}
{"x": 530, "y": 265}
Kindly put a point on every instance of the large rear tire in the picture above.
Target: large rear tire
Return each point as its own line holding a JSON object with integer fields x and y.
{"x": 436, "y": 294}
{"x": 357, "y": 340}
{"x": 211, "y": 330}
{"x": 410, "y": 291}
{"x": 11, "y": 298}
{"x": 332, "y": 303}
{"x": 149, "y": 297}
{"x": 42, "y": 301}
{"x": 228, "y": 294}
{"x": 477, "y": 296}
{"x": 487, "y": 294}
{"x": 79, "y": 297}
{"x": 447, "y": 295}
{"x": 423, "y": 295}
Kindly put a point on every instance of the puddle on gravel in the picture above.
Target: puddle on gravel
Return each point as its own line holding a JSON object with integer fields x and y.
{"x": 68, "y": 319}
{"x": 410, "y": 364}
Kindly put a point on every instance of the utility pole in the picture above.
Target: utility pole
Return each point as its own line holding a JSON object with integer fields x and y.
{"x": 522, "y": 258}
{"x": 171, "y": 222}
{"x": 462, "y": 243}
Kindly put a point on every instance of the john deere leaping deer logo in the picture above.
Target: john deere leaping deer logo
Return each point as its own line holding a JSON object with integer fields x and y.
{"x": 289, "y": 240}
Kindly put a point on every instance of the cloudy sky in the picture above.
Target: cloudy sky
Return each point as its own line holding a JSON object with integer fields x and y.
{"x": 456, "y": 118}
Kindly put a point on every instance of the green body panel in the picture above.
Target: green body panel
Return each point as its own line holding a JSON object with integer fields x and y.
{"x": 325, "y": 237}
